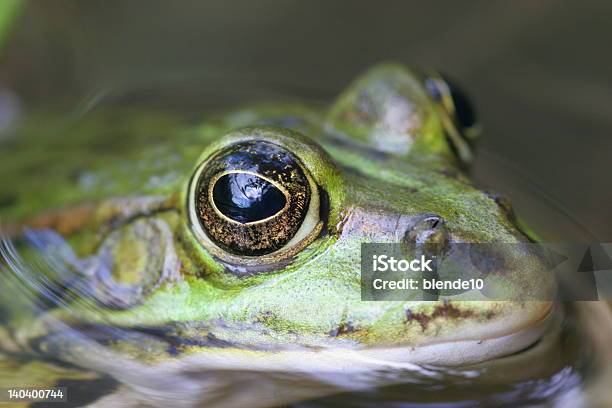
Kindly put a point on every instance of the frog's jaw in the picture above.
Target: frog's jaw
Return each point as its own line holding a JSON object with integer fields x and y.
{"x": 348, "y": 360}
{"x": 465, "y": 346}
{"x": 460, "y": 352}
{"x": 326, "y": 370}
{"x": 286, "y": 376}
{"x": 358, "y": 366}
{"x": 473, "y": 349}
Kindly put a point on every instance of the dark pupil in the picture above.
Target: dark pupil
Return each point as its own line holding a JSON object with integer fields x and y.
{"x": 246, "y": 198}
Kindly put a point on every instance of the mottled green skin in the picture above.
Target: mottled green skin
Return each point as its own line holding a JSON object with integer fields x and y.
{"x": 380, "y": 154}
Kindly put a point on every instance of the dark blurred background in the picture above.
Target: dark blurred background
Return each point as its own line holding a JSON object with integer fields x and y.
{"x": 540, "y": 72}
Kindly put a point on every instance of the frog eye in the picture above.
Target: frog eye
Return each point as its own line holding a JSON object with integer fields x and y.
{"x": 455, "y": 103}
{"x": 254, "y": 198}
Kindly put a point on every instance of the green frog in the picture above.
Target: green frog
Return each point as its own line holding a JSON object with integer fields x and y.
{"x": 157, "y": 242}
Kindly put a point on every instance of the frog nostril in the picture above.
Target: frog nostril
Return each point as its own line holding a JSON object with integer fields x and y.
{"x": 427, "y": 237}
{"x": 434, "y": 222}
{"x": 428, "y": 230}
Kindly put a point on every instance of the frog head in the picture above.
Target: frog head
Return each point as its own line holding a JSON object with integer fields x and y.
{"x": 255, "y": 247}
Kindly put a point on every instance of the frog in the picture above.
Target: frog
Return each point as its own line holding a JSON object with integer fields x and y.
{"x": 158, "y": 241}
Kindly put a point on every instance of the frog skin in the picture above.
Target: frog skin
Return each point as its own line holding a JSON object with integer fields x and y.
{"x": 133, "y": 200}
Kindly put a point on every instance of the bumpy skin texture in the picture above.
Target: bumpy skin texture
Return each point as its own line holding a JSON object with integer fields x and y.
{"x": 384, "y": 168}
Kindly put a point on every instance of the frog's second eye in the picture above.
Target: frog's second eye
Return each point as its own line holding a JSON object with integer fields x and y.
{"x": 455, "y": 102}
{"x": 254, "y": 198}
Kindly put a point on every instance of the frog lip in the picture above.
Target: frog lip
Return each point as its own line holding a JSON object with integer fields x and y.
{"x": 465, "y": 349}
{"x": 216, "y": 353}
{"x": 460, "y": 352}
{"x": 349, "y": 360}
{"x": 372, "y": 360}
{"x": 456, "y": 352}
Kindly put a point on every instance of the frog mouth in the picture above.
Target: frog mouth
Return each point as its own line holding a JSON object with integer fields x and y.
{"x": 461, "y": 352}
{"x": 164, "y": 343}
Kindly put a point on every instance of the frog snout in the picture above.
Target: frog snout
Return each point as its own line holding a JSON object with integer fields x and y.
{"x": 408, "y": 230}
